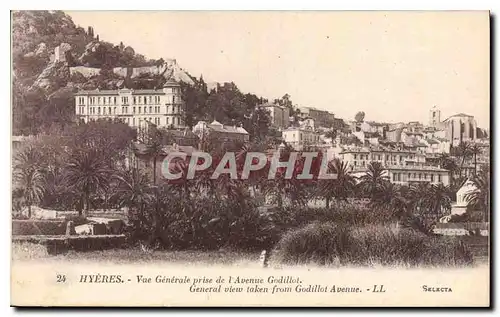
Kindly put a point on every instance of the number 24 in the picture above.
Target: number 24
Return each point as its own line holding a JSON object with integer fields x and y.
{"x": 61, "y": 278}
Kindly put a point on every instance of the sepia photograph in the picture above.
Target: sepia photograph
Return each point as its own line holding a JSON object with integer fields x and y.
{"x": 250, "y": 158}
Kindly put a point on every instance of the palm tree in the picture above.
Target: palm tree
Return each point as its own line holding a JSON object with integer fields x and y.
{"x": 339, "y": 188}
{"x": 448, "y": 163}
{"x": 87, "y": 172}
{"x": 154, "y": 147}
{"x": 395, "y": 199}
{"x": 464, "y": 151}
{"x": 480, "y": 197}
{"x": 133, "y": 190}
{"x": 475, "y": 150}
{"x": 438, "y": 199}
{"x": 372, "y": 183}
{"x": 29, "y": 177}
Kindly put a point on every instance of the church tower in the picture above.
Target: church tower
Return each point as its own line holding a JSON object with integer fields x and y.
{"x": 434, "y": 117}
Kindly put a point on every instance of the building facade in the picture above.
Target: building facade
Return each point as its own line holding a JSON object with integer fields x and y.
{"x": 322, "y": 118}
{"x": 220, "y": 133}
{"x": 280, "y": 116}
{"x": 434, "y": 117}
{"x": 401, "y": 166}
{"x": 460, "y": 128}
{"x": 162, "y": 107}
{"x": 300, "y": 138}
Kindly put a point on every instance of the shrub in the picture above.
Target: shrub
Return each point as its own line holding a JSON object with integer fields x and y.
{"x": 340, "y": 244}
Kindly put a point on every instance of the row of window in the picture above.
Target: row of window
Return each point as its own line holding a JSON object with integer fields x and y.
{"x": 152, "y": 109}
{"x": 146, "y": 100}
{"x": 379, "y": 157}
{"x": 132, "y": 121}
{"x": 397, "y": 177}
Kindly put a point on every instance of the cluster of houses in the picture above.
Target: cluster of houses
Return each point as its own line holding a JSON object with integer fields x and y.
{"x": 408, "y": 151}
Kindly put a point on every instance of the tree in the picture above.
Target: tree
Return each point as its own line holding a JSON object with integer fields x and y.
{"x": 195, "y": 100}
{"x": 372, "y": 183}
{"x": 464, "y": 151}
{"x": 475, "y": 150}
{"x": 28, "y": 177}
{"x": 87, "y": 172}
{"x": 154, "y": 147}
{"x": 438, "y": 199}
{"x": 360, "y": 116}
{"x": 448, "y": 163}
{"x": 339, "y": 188}
{"x": 480, "y": 197}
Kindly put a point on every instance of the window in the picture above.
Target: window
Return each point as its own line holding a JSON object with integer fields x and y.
{"x": 432, "y": 178}
{"x": 114, "y": 100}
{"x": 150, "y": 99}
{"x": 420, "y": 176}
{"x": 104, "y": 100}
{"x": 355, "y": 156}
{"x": 167, "y": 120}
{"x": 114, "y": 110}
{"x": 134, "y": 100}
{"x": 133, "y": 110}
{"x": 150, "y": 109}
{"x": 145, "y": 109}
{"x": 99, "y": 100}
{"x": 98, "y": 110}
{"x": 139, "y": 109}
{"x": 439, "y": 178}
{"x": 173, "y": 99}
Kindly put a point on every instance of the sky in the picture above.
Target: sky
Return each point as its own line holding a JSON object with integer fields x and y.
{"x": 394, "y": 66}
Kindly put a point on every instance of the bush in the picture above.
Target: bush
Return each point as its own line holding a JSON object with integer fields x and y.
{"x": 339, "y": 244}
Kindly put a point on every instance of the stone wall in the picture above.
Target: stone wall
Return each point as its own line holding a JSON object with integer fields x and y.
{"x": 85, "y": 71}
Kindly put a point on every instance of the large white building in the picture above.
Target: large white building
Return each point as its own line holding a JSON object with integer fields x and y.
{"x": 401, "y": 166}
{"x": 162, "y": 107}
{"x": 301, "y": 137}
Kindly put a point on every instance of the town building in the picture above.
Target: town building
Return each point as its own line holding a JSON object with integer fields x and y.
{"x": 322, "y": 118}
{"x": 220, "y": 133}
{"x": 460, "y": 128}
{"x": 434, "y": 117}
{"x": 300, "y": 138}
{"x": 280, "y": 116}
{"x": 402, "y": 166}
{"x": 162, "y": 107}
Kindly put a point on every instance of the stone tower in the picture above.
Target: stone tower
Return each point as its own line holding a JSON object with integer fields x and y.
{"x": 434, "y": 117}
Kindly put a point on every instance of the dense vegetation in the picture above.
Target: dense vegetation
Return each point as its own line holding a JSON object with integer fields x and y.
{"x": 367, "y": 245}
{"x": 83, "y": 168}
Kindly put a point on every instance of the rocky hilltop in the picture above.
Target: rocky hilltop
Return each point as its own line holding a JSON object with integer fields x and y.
{"x": 50, "y": 53}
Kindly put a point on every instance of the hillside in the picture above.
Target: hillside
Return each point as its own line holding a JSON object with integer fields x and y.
{"x": 52, "y": 58}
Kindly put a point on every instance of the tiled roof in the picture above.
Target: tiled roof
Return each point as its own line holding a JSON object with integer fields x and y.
{"x": 227, "y": 129}
{"x": 459, "y": 115}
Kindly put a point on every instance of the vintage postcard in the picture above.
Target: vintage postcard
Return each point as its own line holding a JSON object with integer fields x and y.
{"x": 238, "y": 158}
